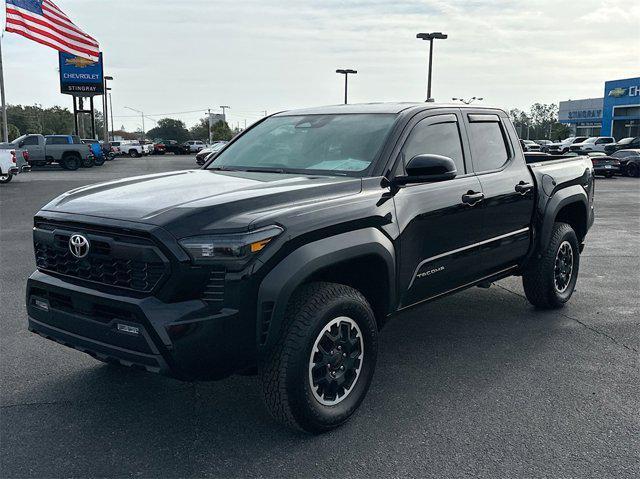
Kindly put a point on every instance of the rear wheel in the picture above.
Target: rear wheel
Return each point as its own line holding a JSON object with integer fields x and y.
{"x": 88, "y": 162}
{"x": 70, "y": 162}
{"x": 134, "y": 153}
{"x": 319, "y": 371}
{"x": 550, "y": 281}
{"x": 6, "y": 178}
{"x": 633, "y": 170}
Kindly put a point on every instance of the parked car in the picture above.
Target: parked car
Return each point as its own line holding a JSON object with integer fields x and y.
{"x": 603, "y": 164}
{"x": 133, "y": 148}
{"x": 172, "y": 146}
{"x": 529, "y": 145}
{"x": 202, "y": 156}
{"x": 12, "y": 162}
{"x": 630, "y": 143}
{"x": 148, "y": 148}
{"x": 594, "y": 143}
{"x": 283, "y": 255}
{"x": 195, "y": 145}
{"x": 96, "y": 149}
{"x": 66, "y": 150}
{"x": 543, "y": 142}
{"x": 629, "y": 161}
{"x": 563, "y": 146}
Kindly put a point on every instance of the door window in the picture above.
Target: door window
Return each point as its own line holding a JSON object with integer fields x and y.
{"x": 31, "y": 140}
{"x": 434, "y": 137}
{"x": 488, "y": 147}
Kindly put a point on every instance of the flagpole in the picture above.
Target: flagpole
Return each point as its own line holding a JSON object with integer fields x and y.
{"x": 5, "y": 126}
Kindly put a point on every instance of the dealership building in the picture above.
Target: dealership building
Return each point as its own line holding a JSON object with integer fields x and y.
{"x": 616, "y": 114}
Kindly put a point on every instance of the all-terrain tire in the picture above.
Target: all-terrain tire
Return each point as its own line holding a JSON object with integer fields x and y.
{"x": 286, "y": 370}
{"x": 70, "y": 162}
{"x": 548, "y": 283}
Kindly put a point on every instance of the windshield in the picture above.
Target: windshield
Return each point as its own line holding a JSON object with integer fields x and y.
{"x": 330, "y": 144}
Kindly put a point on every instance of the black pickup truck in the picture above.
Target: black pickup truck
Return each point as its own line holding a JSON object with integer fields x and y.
{"x": 288, "y": 252}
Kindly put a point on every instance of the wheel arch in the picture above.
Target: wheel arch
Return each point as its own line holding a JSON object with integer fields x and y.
{"x": 349, "y": 258}
{"x": 569, "y": 205}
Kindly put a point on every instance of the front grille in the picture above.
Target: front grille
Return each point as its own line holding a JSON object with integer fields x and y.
{"x": 114, "y": 260}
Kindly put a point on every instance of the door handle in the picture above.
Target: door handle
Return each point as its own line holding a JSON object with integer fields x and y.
{"x": 523, "y": 188}
{"x": 472, "y": 198}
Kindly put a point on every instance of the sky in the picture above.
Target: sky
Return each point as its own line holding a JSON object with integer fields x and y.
{"x": 183, "y": 57}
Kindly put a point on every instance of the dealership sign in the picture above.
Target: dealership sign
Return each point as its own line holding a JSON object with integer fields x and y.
{"x": 79, "y": 76}
{"x": 585, "y": 114}
{"x": 619, "y": 92}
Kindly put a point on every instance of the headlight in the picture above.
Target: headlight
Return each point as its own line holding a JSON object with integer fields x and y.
{"x": 225, "y": 247}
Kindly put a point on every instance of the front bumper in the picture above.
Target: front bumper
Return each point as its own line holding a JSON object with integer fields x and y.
{"x": 186, "y": 340}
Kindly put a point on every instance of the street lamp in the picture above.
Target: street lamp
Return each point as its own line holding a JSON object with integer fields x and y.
{"x": 469, "y": 101}
{"x": 431, "y": 37}
{"x": 105, "y": 111}
{"x": 144, "y": 132}
{"x": 346, "y": 74}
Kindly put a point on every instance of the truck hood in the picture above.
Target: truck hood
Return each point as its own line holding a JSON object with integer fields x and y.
{"x": 216, "y": 199}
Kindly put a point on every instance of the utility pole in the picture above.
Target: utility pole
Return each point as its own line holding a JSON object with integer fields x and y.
{"x": 346, "y": 74}
{"x": 265, "y": 112}
{"x": 224, "y": 111}
{"x": 431, "y": 37}
{"x": 144, "y": 132}
{"x": 210, "y": 132}
{"x": 5, "y": 125}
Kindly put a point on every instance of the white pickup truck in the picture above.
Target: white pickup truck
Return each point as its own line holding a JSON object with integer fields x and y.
{"x": 12, "y": 163}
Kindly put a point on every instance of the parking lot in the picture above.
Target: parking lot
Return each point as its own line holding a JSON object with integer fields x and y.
{"x": 477, "y": 384}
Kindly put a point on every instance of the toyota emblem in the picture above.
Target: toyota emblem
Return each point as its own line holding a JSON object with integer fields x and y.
{"x": 79, "y": 246}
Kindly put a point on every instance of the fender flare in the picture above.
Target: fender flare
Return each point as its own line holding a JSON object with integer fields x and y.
{"x": 560, "y": 199}
{"x": 279, "y": 284}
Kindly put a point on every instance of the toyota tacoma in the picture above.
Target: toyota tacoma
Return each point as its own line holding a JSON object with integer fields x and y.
{"x": 289, "y": 251}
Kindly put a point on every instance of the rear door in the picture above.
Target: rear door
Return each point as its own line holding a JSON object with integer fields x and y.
{"x": 438, "y": 230}
{"x": 508, "y": 188}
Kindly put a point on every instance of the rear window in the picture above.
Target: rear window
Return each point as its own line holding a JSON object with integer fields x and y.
{"x": 57, "y": 140}
{"x": 488, "y": 148}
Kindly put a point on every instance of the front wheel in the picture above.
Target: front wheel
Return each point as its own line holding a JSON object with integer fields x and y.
{"x": 134, "y": 154}
{"x": 319, "y": 371}
{"x": 550, "y": 281}
{"x": 633, "y": 170}
{"x": 6, "y": 178}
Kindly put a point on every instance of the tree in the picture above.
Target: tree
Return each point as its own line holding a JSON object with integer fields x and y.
{"x": 13, "y": 131}
{"x": 169, "y": 129}
{"x": 219, "y": 131}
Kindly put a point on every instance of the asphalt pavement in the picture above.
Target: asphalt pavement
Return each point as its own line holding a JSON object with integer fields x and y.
{"x": 475, "y": 385}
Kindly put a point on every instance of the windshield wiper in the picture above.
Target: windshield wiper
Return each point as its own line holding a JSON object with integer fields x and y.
{"x": 264, "y": 170}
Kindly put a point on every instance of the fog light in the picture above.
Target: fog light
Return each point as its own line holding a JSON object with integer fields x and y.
{"x": 125, "y": 328}
{"x": 41, "y": 304}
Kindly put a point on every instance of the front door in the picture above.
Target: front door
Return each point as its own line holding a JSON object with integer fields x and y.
{"x": 32, "y": 144}
{"x": 438, "y": 229}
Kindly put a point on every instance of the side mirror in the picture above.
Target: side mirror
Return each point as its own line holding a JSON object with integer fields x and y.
{"x": 21, "y": 144}
{"x": 429, "y": 169}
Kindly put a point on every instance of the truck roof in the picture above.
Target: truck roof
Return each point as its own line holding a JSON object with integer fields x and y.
{"x": 393, "y": 108}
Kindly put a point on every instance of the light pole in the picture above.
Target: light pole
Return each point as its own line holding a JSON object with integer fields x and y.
{"x": 346, "y": 74}
{"x": 111, "y": 110}
{"x": 469, "y": 101}
{"x": 431, "y": 37}
{"x": 144, "y": 132}
{"x": 105, "y": 112}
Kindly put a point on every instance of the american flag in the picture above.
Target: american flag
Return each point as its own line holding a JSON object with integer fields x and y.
{"x": 42, "y": 21}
